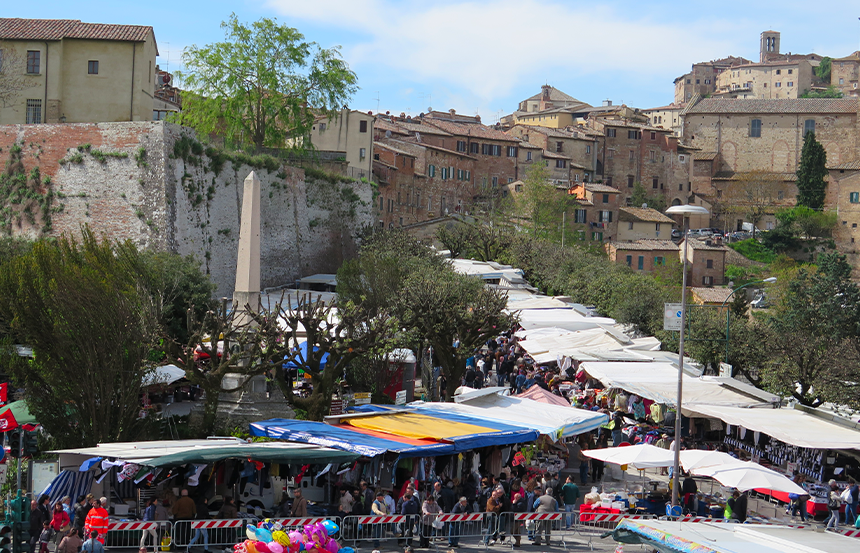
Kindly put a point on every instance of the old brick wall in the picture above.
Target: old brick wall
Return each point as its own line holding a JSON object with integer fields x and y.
{"x": 189, "y": 204}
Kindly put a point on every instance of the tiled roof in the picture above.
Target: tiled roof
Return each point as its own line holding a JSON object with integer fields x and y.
{"x": 697, "y": 244}
{"x": 799, "y": 105}
{"x": 413, "y": 141}
{"x": 475, "y": 130}
{"x": 731, "y": 175}
{"x": 631, "y": 124}
{"x": 705, "y": 156}
{"x": 528, "y": 145}
{"x": 848, "y": 166}
{"x": 554, "y": 155}
{"x": 601, "y": 188}
{"x": 419, "y": 127}
{"x": 646, "y": 245}
{"x": 642, "y": 214}
{"x": 851, "y": 57}
{"x": 385, "y": 125}
{"x": 555, "y": 95}
{"x": 57, "y": 29}
{"x": 711, "y": 295}
{"x": 665, "y": 108}
{"x": 392, "y": 148}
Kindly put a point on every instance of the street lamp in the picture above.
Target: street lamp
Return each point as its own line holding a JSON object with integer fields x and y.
{"x": 685, "y": 211}
{"x": 768, "y": 280}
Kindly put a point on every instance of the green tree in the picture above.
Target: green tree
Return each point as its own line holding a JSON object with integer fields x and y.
{"x": 816, "y": 321}
{"x": 753, "y": 195}
{"x": 455, "y": 237}
{"x": 823, "y": 69}
{"x": 542, "y": 204}
{"x": 830, "y": 92}
{"x": 263, "y": 85}
{"x": 811, "y": 173}
{"x": 91, "y": 324}
{"x": 640, "y": 196}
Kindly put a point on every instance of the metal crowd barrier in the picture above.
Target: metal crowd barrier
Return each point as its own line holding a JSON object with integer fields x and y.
{"x": 372, "y": 528}
{"x": 127, "y": 535}
{"x": 455, "y": 527}
{"x": 593, "y": 524}
{"x": 539, "y": 527}
{"x": 212, "y": 532}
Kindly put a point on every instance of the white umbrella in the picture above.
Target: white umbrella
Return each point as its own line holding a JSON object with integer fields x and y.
{"x": 749, "y": 476}
{"x": 697, "y": 458}
{"x": 641, "y": 456}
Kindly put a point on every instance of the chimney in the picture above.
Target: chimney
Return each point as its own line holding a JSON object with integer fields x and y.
{"x": 607, "y": 103}
{"x": 452, "y": 111}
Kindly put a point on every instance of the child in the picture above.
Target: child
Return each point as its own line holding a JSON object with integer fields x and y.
{"x": 45, "y": 537}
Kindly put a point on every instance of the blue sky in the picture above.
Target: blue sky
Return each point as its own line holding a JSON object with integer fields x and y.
{"x": 485, "y": 56}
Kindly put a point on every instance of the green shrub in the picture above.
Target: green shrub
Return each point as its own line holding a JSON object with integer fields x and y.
{"x": 753, "y": 249}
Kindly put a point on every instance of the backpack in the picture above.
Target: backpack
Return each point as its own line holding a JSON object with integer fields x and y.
{"x": 833, "y": 502}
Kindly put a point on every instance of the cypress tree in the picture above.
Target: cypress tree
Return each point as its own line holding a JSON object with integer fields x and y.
{"x": 811, "y": 173}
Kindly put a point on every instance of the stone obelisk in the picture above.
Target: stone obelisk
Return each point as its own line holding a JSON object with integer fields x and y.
{"x": 247, "y": 291}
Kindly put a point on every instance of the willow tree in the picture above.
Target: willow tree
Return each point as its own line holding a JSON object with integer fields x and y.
{"x": 263, "y": 85}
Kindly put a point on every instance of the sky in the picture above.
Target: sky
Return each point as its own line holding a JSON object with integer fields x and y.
{"x": 485, "y": 56}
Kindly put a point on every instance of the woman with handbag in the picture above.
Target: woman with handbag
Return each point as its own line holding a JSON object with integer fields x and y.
{"x": 60, "y": 524}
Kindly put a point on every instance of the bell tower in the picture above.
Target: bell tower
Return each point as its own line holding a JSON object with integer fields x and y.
{"x": 769, "y": 45}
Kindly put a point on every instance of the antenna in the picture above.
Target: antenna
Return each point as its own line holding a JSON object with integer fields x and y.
{"x": 168, "y": 58}
{"x": 377, "y": 101}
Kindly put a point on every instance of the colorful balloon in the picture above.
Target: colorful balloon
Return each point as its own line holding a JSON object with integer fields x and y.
{"x": 249, "y": 546}
{"x": 251, "y": 532}
{"x": 332, "y": 546}
{"x": 264, "y": 535}
{"x": 296, "y": 537}
{"x": 261, "y": 547}
{"x": 346, "y": 550}
{"x": 275, "y": 547}
{"x": 331, "y": 527}
{"x": 281, "y": 537}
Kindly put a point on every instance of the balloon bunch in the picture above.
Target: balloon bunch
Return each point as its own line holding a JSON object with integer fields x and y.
{"x": 272, "y": 537}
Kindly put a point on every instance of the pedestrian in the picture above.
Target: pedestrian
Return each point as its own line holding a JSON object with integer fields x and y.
{"x": 518, "y": 505}
{"x": 494, "y": 505}
{"x": 60, "y": 524}
{"x": 367, "y": 497}
{"x": 569, "y": 495}
{"x": 94, "y": 544}
{"x": 201, "y": 504}
{"x": 71, "y": 543}
{"x": 430, "y": 511}
{"x": 148, "y": 516}
{"x": 228, "y": 509}
{"x": 82, "y": 509}
{"x": 300, "y": 504}
{"x": 546, "y": 503}
{"x": 455, "y": 528}
{"x": 409, "y": 508}
{"x": 45, "y": 536}
{"x": 833, "y": 504}
{"x": 851, "y": 503}
{"x": 183, "y": 510}
{"x": 97, "y": 519}
{"x": 67, "y": 506}
{"x": 378, "y": 508}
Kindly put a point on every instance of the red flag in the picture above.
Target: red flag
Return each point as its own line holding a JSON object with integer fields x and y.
{"x": 7, "y": 421}
{"x": 4, "y": 392}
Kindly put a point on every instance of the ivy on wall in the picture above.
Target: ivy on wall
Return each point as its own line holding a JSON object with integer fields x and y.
{"x": 25, "y": 196}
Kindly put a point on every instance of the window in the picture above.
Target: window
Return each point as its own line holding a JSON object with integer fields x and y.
{"x": 790, "y": 83}
{"x": 697, "y": 81}
{"x": 778, "y": 71}
{"x": 512, "y": 151}
{"x": 708, "y": 280}
{"x": 780, "y": 195}
{"x": 606, "y": 198}
{"x": 559, "y": 146}
{"x": 34, "y": 112}
{"x": 461, "y": 145}
{"x": 362, "y": 126}
{"x": 597, "y": 236}
{"x": 659, "y": 260}
{"x": 604, "y": 216}
{"x": 653, "y": 155}
{"x": 474, "y": 148}
{"x": 790, "y": 71}
{"x": 629, "y": 260}
{"x": 681, "y": 186}
{"x": 778, "y": 85}
{"x": 682, "y": 158}
{"x": 322, "y": 127}
{"x": 579, "y": 215}
{"x": 459, "y": 174}
{"x": 633, "y": 134}
{"x": 854, "y": 197}
{"x": 495, "y": 182}
{"x": 640, "y": 263}
{"x": 655, "y": 182}
{"x": 707, "y": 81}
{"x": 608, "y": 181}
{"x": 560, "y": 163}
{"x": 808, "y": 126}
{"x": 444, "y": 173}
{"x": 362, "y": 153}
{"x": 431, "y": 171}
{"x": 629, "y": 181}
{"x": 688, "y": 81}
{"x": 709, "y": 263}
{"x": 33, "y": 58}
{"x": 469, "y": 176}
{"x": 510, "y": 180}
{"x": 653, "y": 135}
{"x": 528, "y": 156}
{"x": 610, "y": 133}
{"x": 755, "y": 128}
{"x": 630, "y": 225}
{"x": 841, "y": 80}
{"x": 381, "y": 203}
{"x": 611, "y": 153}
{"x": 93, "y": 67}
{"x": 588, "y": 148}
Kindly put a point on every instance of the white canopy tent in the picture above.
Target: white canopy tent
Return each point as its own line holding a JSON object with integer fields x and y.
{"x": 658, "y": 381}
{"x": 546, "y": 345}
{"x": 697, "y": 458}
{"x": 567, "y": 319}
{"x": 746, "y": 475}
{"x": 166, "y": 374}
{"x": 791, "y": 426}
{"x": 554, "y": 421}
{"x": 641, "y": 456}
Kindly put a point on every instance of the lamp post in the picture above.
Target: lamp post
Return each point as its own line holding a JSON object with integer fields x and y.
{"x": 685, "y": 211}
{"x": 763, "y": 281}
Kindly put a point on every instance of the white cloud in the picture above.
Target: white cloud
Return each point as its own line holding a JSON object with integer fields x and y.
{"x": 487, "y": 48}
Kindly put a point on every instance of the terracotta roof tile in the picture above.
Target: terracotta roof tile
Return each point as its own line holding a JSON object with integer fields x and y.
{"x": 475, "y": 130}
{"x": 601, "y": 188}
{"x": 705, "y": 156}
{"x": 57, "y": 29}
{"x": 711, "y": 295}
{"x": 848, "y": 166}
{"x": 799, "y": 105}
{"x": 697, "y": 244}
{"x": 646, "y": 245}
{"x": 553, "y": 155}
{"x": 642, "y": 214}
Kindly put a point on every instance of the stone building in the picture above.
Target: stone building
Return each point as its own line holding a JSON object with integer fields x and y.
{"x": 66, "y": 71}
{"x": 643, "y": 223}
{"x": 552, "y": 103}
{"x": 666, "y": 117}
{"x": 350, "y": 132}
{"x": 629, "y": 152}
{"x": 596, "y": 217}
{"x": 577, "y": 146}
{"x": 702, "y": 78}
{"x": 845, "y": 74}
{"x": 768, "y": 80}
{"x": 843, "y": 197}
{"x": 642, "y": 255}
{"x": 734, "y": 137}
{"x": 706, "y": 262}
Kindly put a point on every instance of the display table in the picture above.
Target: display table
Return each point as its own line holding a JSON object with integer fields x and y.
{"x": 588, "y": 512}
{"x": 814, "y": 505}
